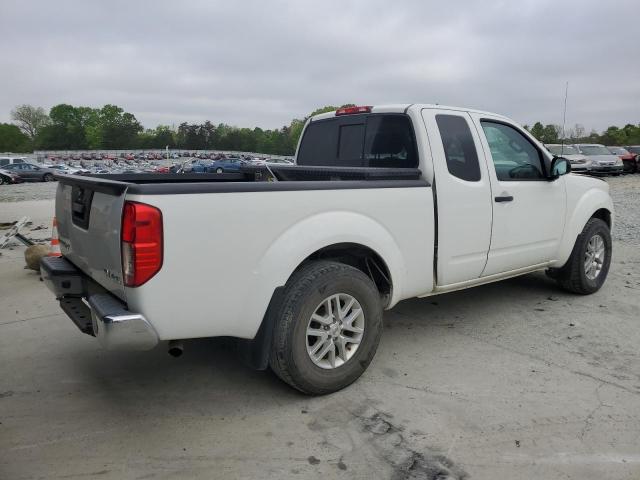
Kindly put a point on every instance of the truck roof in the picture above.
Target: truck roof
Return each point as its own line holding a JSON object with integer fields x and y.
{"x": 403, "y": 107}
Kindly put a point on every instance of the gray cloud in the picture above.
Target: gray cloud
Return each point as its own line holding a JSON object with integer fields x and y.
{"x": 262, "y": 63}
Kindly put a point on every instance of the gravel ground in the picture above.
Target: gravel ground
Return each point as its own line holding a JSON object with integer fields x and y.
{"x": 625, "y": 192}
{"x": 28, "y": 191}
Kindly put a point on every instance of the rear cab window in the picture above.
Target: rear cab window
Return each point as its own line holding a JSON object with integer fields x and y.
{"x": 368, "y": 140}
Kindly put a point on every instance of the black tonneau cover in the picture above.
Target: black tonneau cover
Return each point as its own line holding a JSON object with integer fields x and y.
{"x": 251, "y": 178}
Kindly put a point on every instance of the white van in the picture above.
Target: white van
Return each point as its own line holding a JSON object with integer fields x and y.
{"x": 11, "y": 160}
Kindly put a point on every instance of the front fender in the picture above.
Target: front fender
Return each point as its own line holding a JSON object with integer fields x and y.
{"x": 580, "y": 208}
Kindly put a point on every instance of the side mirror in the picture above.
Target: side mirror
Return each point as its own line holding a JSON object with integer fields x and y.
{"x": 559, "y": 166}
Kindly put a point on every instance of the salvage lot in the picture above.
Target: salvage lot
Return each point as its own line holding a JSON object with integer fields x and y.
{"x": 511, "y": 380}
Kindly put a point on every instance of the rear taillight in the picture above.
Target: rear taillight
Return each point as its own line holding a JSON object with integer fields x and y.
{"x": 353, "y": 110}
{"x": 141, "y": 237}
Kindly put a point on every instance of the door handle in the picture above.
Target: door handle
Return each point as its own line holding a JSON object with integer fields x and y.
{"x": 505, "y": 198}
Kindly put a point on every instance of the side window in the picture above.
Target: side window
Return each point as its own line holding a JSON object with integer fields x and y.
{"x": 514, "y": 156}
{"x": 459, "y": 149}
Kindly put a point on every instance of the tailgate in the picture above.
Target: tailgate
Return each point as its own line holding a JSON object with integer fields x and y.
{"x": 89, "y": 220}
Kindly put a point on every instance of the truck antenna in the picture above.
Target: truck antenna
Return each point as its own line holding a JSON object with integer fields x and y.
{"x": 564, "y": 117}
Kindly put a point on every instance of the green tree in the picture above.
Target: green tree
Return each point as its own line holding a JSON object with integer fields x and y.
{"x": 66, "y": 130}
{"x": 550, "y": 134}
{"x": 119, "y": 129}
{"x": 30, "y": 119}
{"x": 537, "y": 130}
{"x": 13, "y": 140}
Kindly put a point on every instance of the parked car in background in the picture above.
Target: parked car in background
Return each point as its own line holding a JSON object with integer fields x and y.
{"x": 629, "y": 159}
{"x": 226, "y": 165}
{"x": 579, "y": 162}
{"x": 198, "y": 166}
{"x": 30, "y": 172}
{"x": 635, "y": 149}
{"x": 284, "y": 161}
{"x": 11, "y": 160}
{"x": 71, "y": 170}
{"x": 602, "y": 160}
{"x": 7, "y": 177}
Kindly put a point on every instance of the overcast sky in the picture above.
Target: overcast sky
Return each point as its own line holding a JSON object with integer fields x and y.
{"x": 262, "y": 63}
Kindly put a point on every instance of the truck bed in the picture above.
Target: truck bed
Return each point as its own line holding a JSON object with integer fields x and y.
{"x": 250, "y": 178}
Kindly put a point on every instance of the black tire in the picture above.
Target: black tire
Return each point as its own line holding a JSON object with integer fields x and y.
{"x": 47, "y": 177}
{"x": 572, "y": 276}
{"x": 219, "y": 170}
{"x": 2, "y": 180}
{"x": 629, "y": 166}
{"x": 304, "y": 292}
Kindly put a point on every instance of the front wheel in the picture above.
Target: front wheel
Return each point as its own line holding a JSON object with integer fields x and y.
{"x": 219, "y": 170}
{"x": 587, "y": 268}
{"x": 328, "y": 327}
{"x": 2, "y": 180}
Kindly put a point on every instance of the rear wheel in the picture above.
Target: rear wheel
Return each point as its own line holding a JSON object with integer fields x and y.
{"x": 587, "y": 268}
{"x": 328, "y": 328}
{"x": 47, "y": 177}
{"x": 2, "y": 180}
{"x": 219, "y": 170}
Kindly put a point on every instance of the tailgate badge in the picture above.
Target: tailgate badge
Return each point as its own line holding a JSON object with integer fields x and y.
{"x": 112, "y": 276}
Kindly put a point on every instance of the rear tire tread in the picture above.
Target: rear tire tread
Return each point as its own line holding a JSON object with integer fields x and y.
{"x": 297, "y": 287}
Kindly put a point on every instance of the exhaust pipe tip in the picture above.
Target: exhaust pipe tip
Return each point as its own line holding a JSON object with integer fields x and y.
{"x": 175, "y": 348}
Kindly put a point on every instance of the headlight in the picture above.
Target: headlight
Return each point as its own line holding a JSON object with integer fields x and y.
{"x": 619, "y": 161}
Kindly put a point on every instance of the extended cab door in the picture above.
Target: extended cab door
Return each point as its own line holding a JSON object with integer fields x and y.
{"x": 528, "y": 208}
{"x": 463, "y": 195}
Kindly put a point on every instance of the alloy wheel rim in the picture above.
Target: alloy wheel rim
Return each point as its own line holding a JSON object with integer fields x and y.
{"x": 594, "y": 257}
{"x": 335, "y": 331}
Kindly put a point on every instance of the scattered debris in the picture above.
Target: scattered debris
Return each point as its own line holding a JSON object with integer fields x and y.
{"x": 313, "y": 460}
{"x": 13, "y": 231}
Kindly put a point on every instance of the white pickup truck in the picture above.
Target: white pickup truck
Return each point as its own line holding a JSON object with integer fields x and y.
{"x": 298, "y": 262}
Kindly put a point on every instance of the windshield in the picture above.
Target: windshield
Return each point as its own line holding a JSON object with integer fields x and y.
{"x": 594, "y": 150}
{"x": 634, "y": 149}
{"x": 563, "y": 150}
{"x": 618, "y": 150}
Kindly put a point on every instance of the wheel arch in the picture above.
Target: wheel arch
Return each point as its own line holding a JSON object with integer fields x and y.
{"x": 595, "y": 203}
{"x": 346, "y": 237}
{"x": 359, "y": 256}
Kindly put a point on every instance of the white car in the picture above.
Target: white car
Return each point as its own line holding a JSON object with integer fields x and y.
{"x": 388, "y": 203}
{"x": 601, "y": 159}
{"x": 4, "y": 161}
{"x": 579, "y": 162}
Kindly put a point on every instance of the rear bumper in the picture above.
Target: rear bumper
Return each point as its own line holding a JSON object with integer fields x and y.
{"x": 94, "y": 310}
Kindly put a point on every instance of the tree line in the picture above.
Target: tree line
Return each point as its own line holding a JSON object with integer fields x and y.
{"x": 627, "y": 135}
{"x": 68, "y": 127}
